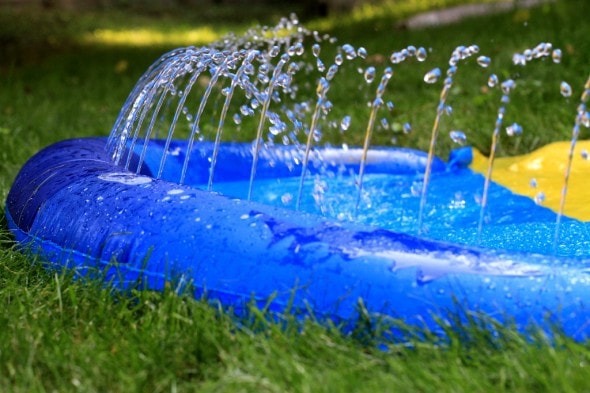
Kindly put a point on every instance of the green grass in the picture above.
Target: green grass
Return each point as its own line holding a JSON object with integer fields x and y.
{"x": 58, "y": 334}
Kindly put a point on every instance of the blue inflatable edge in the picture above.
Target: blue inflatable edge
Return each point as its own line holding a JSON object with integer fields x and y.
{"x": 74, "y": 207}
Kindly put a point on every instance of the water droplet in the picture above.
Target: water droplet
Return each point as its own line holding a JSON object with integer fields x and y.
{"x": 293, "y": 68}
{"x": 299, "y": 49}
{"x": 338, "y": 59}
{"x": 533, "y": 183}
{"x": 396, "y": 58}
{"x": 556, "y": 55}
{"x": 387, "y": 74}
{"x": 320, "y": 65}
{"x": 362, "y": 53}
{"x": 432, "y": 75}
{"x": 246, "y": 110}
{"x": 458, "y": 137}
{"x": 377, "y": 102}
{"x": 407, "y": 128}
{"x": 345, "y": 123}
{"x": 286, "y": 198}
{"x": 585, "y": 119}
{"x": 448, "y": 110}
{"x": 421, "y": 54}
{"x": 519, "y": 59}
{"x": 369, "y": 74}
{"x": 493, "y": 80}
{"x": 484, "y": 61}
{"x": 275, "y": 130}
{"x": 384, "y": 123}
{"x": 565, "y": 89}
{"x": 514, "y": 130}
{"x": 263, "y": 78}
{"x": 237, "y": 118}
{"x": 540, "y": 198}
{"x": 315, "y": 49}
{"x": 507, "y": 86}
{"x": 349, "y": 51}
{"x": 390, "y": 105}
{"x": 331, "y": 72}
{"x": 584, "y": 154}
{"x": 322, "y": 87}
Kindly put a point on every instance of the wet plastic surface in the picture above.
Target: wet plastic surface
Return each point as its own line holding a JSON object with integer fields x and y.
{"x": 77, "y": 209}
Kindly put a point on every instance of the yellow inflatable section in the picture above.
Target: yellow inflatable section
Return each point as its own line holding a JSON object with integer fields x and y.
{"x": 540, "y": 175}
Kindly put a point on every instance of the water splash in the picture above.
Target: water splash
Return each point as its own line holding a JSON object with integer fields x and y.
{"x": 542, "y": 50}
{"x": 581, "y": 118}
{"x": 507, "y": 87}
{"x": 267, "y": 96}
{"x": 270, "y": 82}
{"x": 460, "y": 53}
{"x": 396, "y": 58}
{"x": 321, "y": 91}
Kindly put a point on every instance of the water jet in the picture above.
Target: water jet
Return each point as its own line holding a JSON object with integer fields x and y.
{"x": 284, "y": 216}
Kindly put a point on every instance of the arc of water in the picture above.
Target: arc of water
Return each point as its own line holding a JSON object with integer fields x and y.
{"x": 543, "y": 49}
{"x": 221, "y": 69}
{"x": 395, "y": 58}
{"x": 136, "y": 100}
{"x": 187, "y": 61}
{"x": 322, "y": 90}
{"x": 460, "y": 53}
{"x": 268, "y": 96}
{"x": 251, "y": 54}
{"x": 377, "y": 103}
{"x": 581, "y": 116}
{"x": 507, "y": 87}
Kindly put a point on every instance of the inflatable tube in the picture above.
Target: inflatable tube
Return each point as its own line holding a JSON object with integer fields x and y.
{"x": 71, "y": 204}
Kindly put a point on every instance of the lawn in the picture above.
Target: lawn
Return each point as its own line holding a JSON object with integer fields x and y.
{"x": 66, "y": 75}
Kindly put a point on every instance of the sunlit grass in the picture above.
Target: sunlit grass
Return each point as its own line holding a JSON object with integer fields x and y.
{"x": 201, "y": 35}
